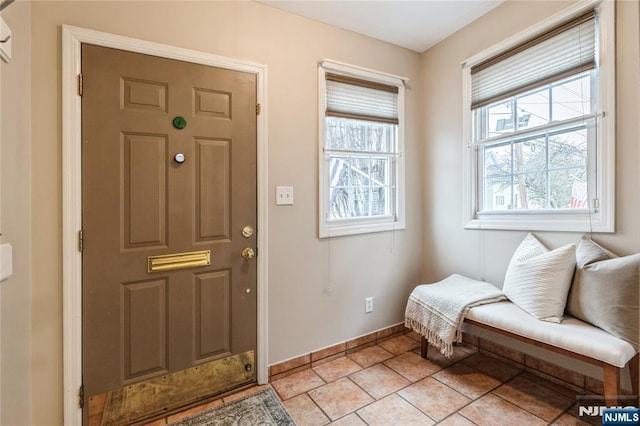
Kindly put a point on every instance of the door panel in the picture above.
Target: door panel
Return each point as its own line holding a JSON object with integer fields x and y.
{"x": 144, "y": 191}
{"x": 144, "y": 329}
{"x": 213, "y": 317}
{"x": 138, "y": 202}
{"x": 213, "y": 182}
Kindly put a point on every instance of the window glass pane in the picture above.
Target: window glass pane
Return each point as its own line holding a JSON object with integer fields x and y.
{"x": 379, "y": 201}
{"x": 530, "y": 191}
{"x": 569, "y": 149}
{"x": 533, "y": 109}
{"x": 359, "y": 135}
{"x": 572, "y": 98}
{"x": 339, "y": 207}
{"x": 499, "y": 119}
{"x": 497, "y": 159}
{"x": 497, "y": 193}
{"x": 359, "y": 172}
{"x": 567, "y": 189}
{"x": 529, "y": 155}
{"x": 379, "y": 171}
{"x": 339, "y": 169}
{"x": 359, "y": 202}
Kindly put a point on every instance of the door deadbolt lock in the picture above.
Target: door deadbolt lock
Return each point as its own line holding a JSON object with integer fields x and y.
{"x": 248, "y": 253}
{"x": 247, "y": 232}
{"x": 179, "y": 157}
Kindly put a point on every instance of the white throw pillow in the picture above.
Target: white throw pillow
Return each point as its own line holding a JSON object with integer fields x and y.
{"x": 538, "y": 280}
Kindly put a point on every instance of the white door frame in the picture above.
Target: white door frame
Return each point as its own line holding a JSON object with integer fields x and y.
{"x": 72, "y": 38}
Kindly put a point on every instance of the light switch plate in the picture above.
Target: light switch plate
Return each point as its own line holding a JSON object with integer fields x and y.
{"x": 5, "y": 34}
{"x": 284, "y": 195}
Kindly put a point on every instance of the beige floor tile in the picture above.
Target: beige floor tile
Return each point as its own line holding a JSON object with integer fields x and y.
{"x": 433, "y": 398}
{"x": 336, "y": 369}
{"x": 399, "y": 345}
{"x": 412, "y": 366}
{"x": 466, "y": 380}
{"x": 379, "y": 380}
{"x": 491, "y": 410}
{"x": 460, "y": 352}
{"x": 297, "y": 383}
{"x": 369, "y": 356}
{"x": 340, "y": 398}
{"x": 350, "y": 420}
{"x": 393, "y": 410}
{"x": 456, "y": 420}
{"x": 415, "y": 336}
{"x": 305, "y": 412}
{"x": 535, "y": 398}
{"x": 555, "y": 386}
{"x": 493, "y": 367}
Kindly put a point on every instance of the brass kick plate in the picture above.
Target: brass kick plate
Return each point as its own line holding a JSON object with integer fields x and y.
{"x": 169, "y": 262}
{"x": 146, "y": 399}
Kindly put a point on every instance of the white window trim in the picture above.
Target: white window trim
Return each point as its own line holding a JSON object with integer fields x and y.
{"x": 601, "y": 219}
{"x": 361, "y": 225}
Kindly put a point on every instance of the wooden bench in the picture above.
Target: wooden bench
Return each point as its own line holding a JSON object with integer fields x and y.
{"x": 572, "y": 338}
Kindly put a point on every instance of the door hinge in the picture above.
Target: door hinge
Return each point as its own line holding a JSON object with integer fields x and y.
{"x": 258, "y": 109}
{"x": 80, "y": 241}
{"x": 80, "y": 84}
{"x": 81, "y": 396}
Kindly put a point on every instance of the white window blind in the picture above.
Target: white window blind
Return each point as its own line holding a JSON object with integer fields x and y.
{"x": 359, "y": 99}
{"x": 565, "y": 50}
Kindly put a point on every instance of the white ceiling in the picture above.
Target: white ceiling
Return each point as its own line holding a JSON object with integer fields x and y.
{"x": 416, "y": 24}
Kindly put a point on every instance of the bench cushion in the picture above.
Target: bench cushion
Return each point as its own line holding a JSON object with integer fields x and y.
{"x": 572, "y": 334}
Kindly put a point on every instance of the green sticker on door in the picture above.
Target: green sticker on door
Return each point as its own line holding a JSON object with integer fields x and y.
{"x": 179, "y": 122}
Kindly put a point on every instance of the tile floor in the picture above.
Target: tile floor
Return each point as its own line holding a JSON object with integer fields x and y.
{"x": 390, "y": 384}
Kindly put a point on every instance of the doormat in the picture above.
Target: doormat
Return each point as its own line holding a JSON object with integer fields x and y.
{"x": 262, "y": 408}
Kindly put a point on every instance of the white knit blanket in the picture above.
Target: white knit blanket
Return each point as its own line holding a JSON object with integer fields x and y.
{"x": 436, "y": 311}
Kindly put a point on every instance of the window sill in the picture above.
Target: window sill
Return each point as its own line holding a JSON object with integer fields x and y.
{"x": 338, "y": 229}
{"x": 528, "y": 221}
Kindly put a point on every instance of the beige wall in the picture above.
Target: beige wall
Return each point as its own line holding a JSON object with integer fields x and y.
{"x": 447, "y": 247}
{"x": 15, "y": 309}
{"x": 302, "y": 317}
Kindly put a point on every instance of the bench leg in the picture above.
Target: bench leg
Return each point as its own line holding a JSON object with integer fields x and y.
{"x": 424, "y": 346}
{"x": 635, "y": 374}
{"x": 611, "y": 381}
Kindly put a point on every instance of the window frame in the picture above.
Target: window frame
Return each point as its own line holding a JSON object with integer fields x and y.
{"x": 362, "y": 225}
{"x": 597, "y": 218}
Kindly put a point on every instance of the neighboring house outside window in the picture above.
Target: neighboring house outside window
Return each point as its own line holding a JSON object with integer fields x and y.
{"x": 540, "y": 126}
{"x": 361, "y": 171}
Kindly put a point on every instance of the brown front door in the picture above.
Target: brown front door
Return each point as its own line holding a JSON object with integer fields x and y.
{"x": 168, "y": 181}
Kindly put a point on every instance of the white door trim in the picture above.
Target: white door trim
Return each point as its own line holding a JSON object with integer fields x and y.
{"x": 72, "y": 38}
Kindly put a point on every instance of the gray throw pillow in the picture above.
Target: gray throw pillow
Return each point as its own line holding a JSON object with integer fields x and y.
{"x": 605, "y": 291}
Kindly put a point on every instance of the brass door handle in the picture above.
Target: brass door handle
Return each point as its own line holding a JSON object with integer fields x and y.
{"x": 248, "y": 253}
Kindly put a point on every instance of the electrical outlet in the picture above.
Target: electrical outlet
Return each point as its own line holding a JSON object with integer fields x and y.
{"x": 368, "y": 305}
